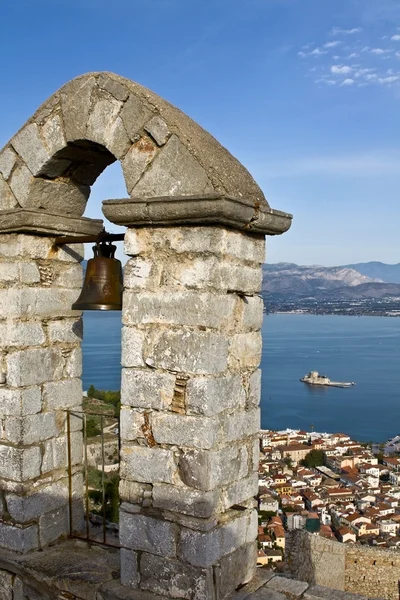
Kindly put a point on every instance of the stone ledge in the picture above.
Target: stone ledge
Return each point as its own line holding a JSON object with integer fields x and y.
{"x": 197, "y": 210}
{"x": 20, "y": 220}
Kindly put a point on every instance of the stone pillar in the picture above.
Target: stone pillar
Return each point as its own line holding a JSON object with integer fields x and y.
{"x": 191, "y": 347}
{"x": 40, "y": 366}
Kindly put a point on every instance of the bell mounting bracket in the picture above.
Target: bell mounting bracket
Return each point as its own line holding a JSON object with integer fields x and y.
{"x": 103, "y": 236}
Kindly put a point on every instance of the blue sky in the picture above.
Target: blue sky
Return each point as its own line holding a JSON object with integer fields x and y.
{"x": 306, "y": 93}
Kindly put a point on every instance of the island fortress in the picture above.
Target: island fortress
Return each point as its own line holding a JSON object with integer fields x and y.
{"x": 195, "y": 223}
{"x": 314, "y": 378}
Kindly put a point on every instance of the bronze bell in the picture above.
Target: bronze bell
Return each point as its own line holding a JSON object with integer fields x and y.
{"x": 102, "y": 288}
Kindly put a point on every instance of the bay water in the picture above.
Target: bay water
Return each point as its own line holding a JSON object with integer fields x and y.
{"x": 365, "y": 350}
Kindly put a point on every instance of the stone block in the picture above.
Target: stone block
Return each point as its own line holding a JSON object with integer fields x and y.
{"x": 254, "y": 391}
{"x": 291, "y": 588}
{"x": 31, "y": 148}
{"x": 129, "y": 568}
{"x": 158, "y": 129}
{"x": 30, "y": 429}
{"x": 68, "y": 276}
{"x": 252, "y": 313}
{"x": 266, "y": 594}
{"x": 319, "y": 592}
{"x": 185, "y": 431}
{"x": 29, "y": 273}
{"x": 7, "y": 198}
{"x": 132, "y": 347}
{"x": 134, "y": 115}
{"x": 245, "y": 351}
{"x": 239, "y": 492}
{"x": 60, "y": 196}
{"x": 134, "y": 242}
{"x": 132, "y": 424}
{"x": 54, "y": 454}
{"x": 23, "y": 333}
{"x": 75, "y": 107}
{"x": 241, "y": 425}
{"x": 147, "y": 388}
{"x": 174, "y": 172}
{"x": 23, "y": 509}
{"x": 9, "y": 272}
{"x": 8, "y": 159}
{"x": 20, "y": 464}
{"x": 188, "y": 351}
{"x": 133, "y": 492}
{"x": 104, "y": 128}
{"x": 175, "y": 580}
{"x": 185, "y": 500}
{"x": 140, "y": 273}
{"x": 65, "y": 330}
{"x": 62, "y": 394}
{"x": 73, "y": 362}
{"x": 137, "y": 160}
{"x": 19, "y": 539}
{"x": 209, "y": 396}
{"x": 20, "y": 182}
{"x": 204, "y": 549}
{"x": 237, "y": 568}
{"x": 37, "y": 302}
{"x": 53, "y": 134}
{"x": 148, "y": 465}
{"x": 53, "y": 525}
{"x": 18, "y": 403}
{"x": 113, "y": 87}
{"x": 207, "y": 470}
{"x": 146, "y": 534}
{"x": 7, "y": 585}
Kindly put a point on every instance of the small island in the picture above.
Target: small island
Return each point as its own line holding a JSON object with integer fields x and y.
{"x": 314, "y": 378}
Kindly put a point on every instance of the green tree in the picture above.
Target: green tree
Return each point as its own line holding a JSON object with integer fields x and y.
{"x": 315, "y": 458}
{"x": 91, "y": 392}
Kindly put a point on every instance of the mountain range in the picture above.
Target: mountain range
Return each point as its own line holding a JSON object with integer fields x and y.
{"x": 346, "y": 282}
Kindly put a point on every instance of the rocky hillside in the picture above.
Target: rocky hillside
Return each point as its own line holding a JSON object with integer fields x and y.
{"x": 342, "y": 282}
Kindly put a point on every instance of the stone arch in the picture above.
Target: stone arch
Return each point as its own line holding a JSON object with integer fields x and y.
{"x": 98, "y": 118}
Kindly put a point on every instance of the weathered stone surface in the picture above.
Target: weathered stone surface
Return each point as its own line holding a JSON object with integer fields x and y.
{"x": 134, "y": 115}
{"x": 57, "y": 196}
{"x": 62, "y": 394}
{"x": 252, "y": 313}
{"x": 184, "y": 431}
{"x": 175, "y": 171}
{"x": 20, "y": 464}
{"x": 147, "y": 388}
{"x": 37, "y": 302}
{"x": 30, "y": 429}
{"x": 17, "y": 538}
{"x": 140, "y": 273}
{"x": 6, "y": 585}
{"x": 113, "y": 87}
{"x": 29, "y": 272}
{"x": 53, "y": 525}
{"x": 53, "y": 134}
{"x": 133, "y": 492}
{"x": 22, "y": 333}
{"x": 174, "y": 579}
{"x": 209, "y": 396}
{"x": 18, "y": 403}
{"x": 75, "y": 103}
{"x": 158, "y": 129}
{"x": 292, "y": 588}
{"x": 254, "y": 393}
{"x": 239, "y": 491}
{"x": 207, "y": 470}
{"x": 198, "y": 352}
{"x": 149, "y": 465}
{"x": 129, "y": 568}
{"x": 23, "y": 509}
{"x": 20, "y": 182}
{"x": 137, "y": 160}
{"x": 318, "y": 592}
{"x": 7, "y": 198}
{"x": 39, "y": 247}
{"x": 55, "y": 454}
{"x": 266, "y": 594}
{"x": 245, "y": 350}
{"x": 203, "y": 549}
{"x": 30, "y": 147}
{"x": 132, "y": 347}
{"x": 237, "y": 568}
{"x": 106, "y": 128}
{"x": 132, "y": 424}
{"x": 185, "y": 500}
{"x": 140, "y": 532}
{"x": 33, "y": 366}
{"x": 7, "y": 161}
{"x": 242, "y": 424}
{"x": 65, "y": 330}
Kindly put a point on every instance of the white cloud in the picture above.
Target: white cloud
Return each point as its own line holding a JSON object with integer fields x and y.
{"x": 348, "y": 82}
{"x": 378, "y": 51}
{"x": 371, "y": 77}
{"x": 353, "y": 55}
{"x": 341, "y": 69}
{"x": 337, "y": 30}
{"x": 395, "y": 38}
{"x": 315, "y": 52}
{"x": 388, "y": 80}
{"x": 335, "y": 43}
{"x": 363, "y": 72}
{"x": 397, "y": 54}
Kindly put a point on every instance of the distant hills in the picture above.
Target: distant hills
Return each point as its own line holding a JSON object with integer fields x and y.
{"x": 346, "y": 282}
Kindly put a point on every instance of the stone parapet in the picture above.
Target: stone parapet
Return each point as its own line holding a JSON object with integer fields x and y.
{"x": 19, "y": 220}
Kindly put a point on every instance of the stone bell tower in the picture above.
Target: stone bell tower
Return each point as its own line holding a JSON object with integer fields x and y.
{"x": 191, "y": 344}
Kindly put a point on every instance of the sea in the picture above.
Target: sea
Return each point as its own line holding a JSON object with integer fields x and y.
{"x": 365, "y": 350}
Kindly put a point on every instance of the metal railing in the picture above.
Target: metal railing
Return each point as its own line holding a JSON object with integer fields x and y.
{"x": 95, "y": 518}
